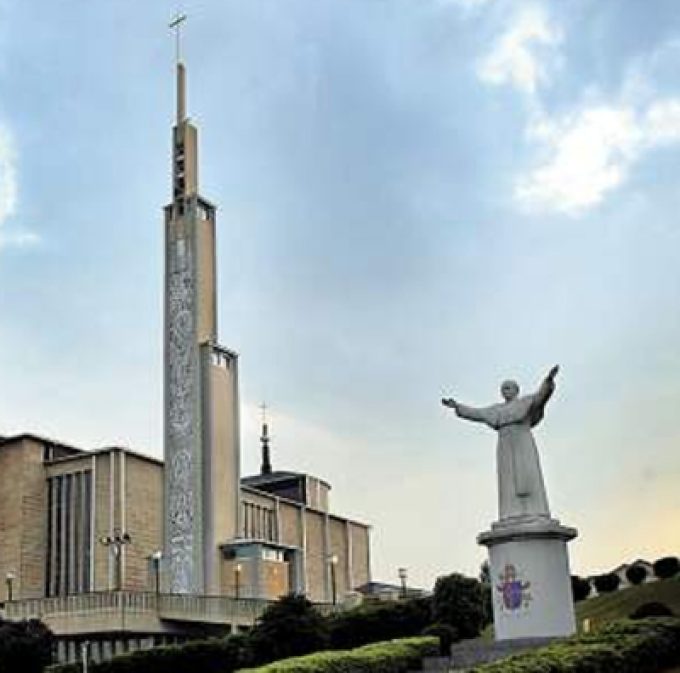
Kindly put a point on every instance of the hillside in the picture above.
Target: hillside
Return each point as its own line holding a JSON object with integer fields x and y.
{"x": 620, "y": 604}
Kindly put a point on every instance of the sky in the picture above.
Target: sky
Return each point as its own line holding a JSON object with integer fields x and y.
{"x": 416, "y": 198}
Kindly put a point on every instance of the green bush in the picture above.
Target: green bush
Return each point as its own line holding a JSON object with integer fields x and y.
{"x": 396, "y": 656}
{"x": 288, "y": 628}
{"x": 651, "y": 609}
{"x": 580, "y": 588}
{"x": 607, "y": 583}
{"x": 645, "y": 646}
{"x": 25, "y": 647}
{"x": 636, "y": 574}
{"x": 446, "y": 634}
{"x": 460, "y": 602}
{"x": 666, "y": 567}
{"x": 378, "y": 621}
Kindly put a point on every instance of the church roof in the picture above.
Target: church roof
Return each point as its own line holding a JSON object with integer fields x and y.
{"x": 41, "y": 439}
{"x": 256, "y": 480}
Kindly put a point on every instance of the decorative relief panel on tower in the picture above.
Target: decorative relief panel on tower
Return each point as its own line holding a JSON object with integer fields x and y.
{"x": 181, "y": 422}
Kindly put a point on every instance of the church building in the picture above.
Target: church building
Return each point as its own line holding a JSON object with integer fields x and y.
{"x": 119, "y": 550}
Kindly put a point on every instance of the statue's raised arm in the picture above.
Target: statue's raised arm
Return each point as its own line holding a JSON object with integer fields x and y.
{"x": 543, "y": 395}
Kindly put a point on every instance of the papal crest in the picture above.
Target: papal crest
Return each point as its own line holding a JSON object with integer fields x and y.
{"x": 514, "y": 592}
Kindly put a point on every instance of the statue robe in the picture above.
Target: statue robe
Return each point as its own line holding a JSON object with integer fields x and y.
{"x": 521, "y": 491}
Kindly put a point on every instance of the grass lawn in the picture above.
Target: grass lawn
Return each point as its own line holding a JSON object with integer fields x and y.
{"x": 619, "y": 604}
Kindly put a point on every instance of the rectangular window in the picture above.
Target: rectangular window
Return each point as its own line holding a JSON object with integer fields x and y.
{"x": 66, "y": 560}
{"x": 48, "y": 560}
{"x": 87, "y": 530}
{"x": 58, "y": 536}
{"x": 69, "y": 534}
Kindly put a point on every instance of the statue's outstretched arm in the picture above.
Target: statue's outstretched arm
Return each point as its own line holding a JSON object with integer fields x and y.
{"x": 468, "y": 413}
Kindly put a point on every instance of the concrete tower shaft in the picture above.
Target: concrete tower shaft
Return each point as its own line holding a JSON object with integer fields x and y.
{"x": 201, "y": 443}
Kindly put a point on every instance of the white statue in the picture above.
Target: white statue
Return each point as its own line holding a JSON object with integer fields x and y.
{"x": 521, "y": 492}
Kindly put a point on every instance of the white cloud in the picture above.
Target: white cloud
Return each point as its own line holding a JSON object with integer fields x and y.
{"x": 14, "y": 237}
{"x": 519, "y": 57}
{"x": 8, "y": 179}
{"x": 590, "y": 153}
{"x": 19, "y": 239}
{"x": 662, "y": 121}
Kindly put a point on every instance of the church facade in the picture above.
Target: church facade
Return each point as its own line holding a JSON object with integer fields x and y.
{"x": 59, "y": 506}
{"x": 122, "y": 551}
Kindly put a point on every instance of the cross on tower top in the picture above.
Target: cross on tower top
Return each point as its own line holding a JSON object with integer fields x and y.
{"x": 176, "y": 25}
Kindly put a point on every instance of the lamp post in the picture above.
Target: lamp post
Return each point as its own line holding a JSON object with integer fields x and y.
{"x": 9, "y": 580}
{"x": 156, "y": 560}
{"x": 116, "y": 542}
{"x": 85, "y": 654}
{"x": 237, "y": 580}
{"x": 403, "y": 574}
{"x": 333, "y": 560}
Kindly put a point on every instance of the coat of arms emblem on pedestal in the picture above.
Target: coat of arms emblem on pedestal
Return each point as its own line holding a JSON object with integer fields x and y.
{"x": 514, "y": 592}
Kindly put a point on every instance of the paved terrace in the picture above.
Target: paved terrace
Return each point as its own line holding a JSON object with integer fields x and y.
{"x": 137, "y": 612}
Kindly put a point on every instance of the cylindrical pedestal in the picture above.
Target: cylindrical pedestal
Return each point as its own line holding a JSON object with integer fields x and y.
{"x": 530, "y": 582}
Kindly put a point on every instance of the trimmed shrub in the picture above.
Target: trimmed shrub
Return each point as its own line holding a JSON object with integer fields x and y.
{"x": 219, "y": 655}
{"x": 288, "y": 628}
{"x": 666, "y": 567}
{"x": 580, "y": 588}
{"x": 378, "y": 621}
{"x": 396, "y": 656}
{"x": 446, "y": 634}
{"x": 607, "y": 583}
{"x": 636, "y": 574}
{"x": 653, "y": 609}
{"x": 645, "y": 646}
{"x": 25, "y": 646}
{"x": 459, "y": 602}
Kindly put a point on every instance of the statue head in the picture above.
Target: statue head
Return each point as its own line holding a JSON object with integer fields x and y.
{"x": 509, "y": 390}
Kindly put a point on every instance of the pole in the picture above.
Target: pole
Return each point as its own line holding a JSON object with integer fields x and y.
{"x": 157, "y": 567}
{"x": 237, "y": 580}
{"x": 334, "y": 587}
{"x": 403, "y": 573}
{"x": 119, "y": 567}
{"x": 84, "y": 646}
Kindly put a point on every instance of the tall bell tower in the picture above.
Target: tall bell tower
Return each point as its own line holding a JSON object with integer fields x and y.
{"x": 201, "y": 419}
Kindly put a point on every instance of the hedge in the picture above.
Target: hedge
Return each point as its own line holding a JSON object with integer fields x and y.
{"x": 221, "y": 655}
{"x": 394, "y": 656}
{"x": 645, "y": 646}
{"x": 377, "y": 622}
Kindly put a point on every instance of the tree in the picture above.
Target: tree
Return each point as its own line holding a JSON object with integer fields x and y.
{"x": 25, "y": 647}
{"x": 636, "y": 574}
{"x": 288, "y": 628}
{"x": 580, "y": 588}
{"x": 459, "y": 602}
{"x": 666, "y": 567}
{"x": 485, "y": 573}
{"x": 607, "y": 583}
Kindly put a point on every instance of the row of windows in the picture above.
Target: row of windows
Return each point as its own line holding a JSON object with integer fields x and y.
{"x": 69, "y": 534}
{"x": 259, "y": 523}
